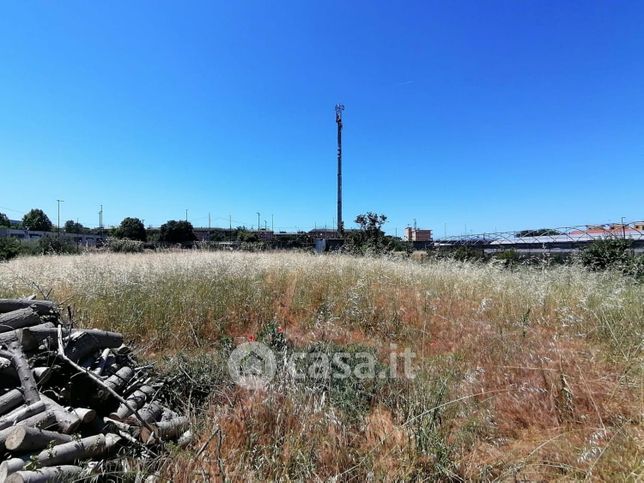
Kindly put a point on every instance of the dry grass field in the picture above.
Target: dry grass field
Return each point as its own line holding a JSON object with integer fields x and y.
{"x": 530, "y": 373}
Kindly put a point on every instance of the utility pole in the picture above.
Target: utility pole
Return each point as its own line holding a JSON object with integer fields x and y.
{"x": 338, "y": 119}
{"x": 59, "y": 202}
{"x": 272, "y": 224}
{"x": 208, "y": 220}
{"x": 186, "y": 214}
{"x": 258, "y": 226}
{"x": 100, "y": 220}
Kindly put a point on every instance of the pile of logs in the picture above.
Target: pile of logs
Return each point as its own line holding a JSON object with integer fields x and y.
{"x": 71, "y": 399}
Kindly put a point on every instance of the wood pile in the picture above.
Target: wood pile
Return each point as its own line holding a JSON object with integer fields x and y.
{"x": 72, "y": 399}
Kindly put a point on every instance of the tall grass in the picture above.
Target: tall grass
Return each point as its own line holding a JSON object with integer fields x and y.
{"x": 529, "y": 373}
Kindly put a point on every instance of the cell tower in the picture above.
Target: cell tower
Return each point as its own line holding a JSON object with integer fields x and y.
{"x": 338, "y": 119}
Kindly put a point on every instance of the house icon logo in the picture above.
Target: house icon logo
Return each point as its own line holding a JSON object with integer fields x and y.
{"x": 252, "y": 365}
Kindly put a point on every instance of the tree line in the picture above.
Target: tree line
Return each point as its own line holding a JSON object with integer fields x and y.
{"x": 131, "y": 228}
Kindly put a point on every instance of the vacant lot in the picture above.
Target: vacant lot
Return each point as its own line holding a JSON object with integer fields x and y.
{"x": 530, "y": 373}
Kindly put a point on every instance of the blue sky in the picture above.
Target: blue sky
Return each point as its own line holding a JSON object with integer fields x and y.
{"x": 478, "y": 114}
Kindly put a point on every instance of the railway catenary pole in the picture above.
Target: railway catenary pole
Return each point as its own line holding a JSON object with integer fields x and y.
{"x": 338, "y": 119}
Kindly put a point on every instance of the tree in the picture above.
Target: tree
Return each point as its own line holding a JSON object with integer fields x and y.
{"x": 131, "y": 228}
{"x": 177, "y": 232}
{"x": 37, "y": 220}
{"x": 72, "y": 227}
{"x": 4, "y": 220}
{"x": 371, "y": 224}
{"x": 370, "y": 237}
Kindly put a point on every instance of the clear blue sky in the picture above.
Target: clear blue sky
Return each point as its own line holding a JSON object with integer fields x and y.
{"x": 505, "y": 115}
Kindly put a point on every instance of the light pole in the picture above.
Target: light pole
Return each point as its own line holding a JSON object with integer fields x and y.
{"x": 258, "y": 221}
{"x": 58, "y": 223}
{"x": 186, "y": 214}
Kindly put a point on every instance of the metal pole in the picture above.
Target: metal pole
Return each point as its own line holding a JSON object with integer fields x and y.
{"x": 338, "y": 119}
{"x": 59, "y": 202}
{"x": 258, "y": 221}
{"x": 186, "y": 214}
{"x": 623, "y": 229}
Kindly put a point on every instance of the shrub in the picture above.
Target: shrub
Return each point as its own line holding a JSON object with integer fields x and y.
{"x": 461, "y": 253}
{"x": 48, "y": 245}
{"x": 9, "y": 248}
{"x": 509, "y": 258}
{"x": 124, "y": 245}
{"x": 613, "y": 254}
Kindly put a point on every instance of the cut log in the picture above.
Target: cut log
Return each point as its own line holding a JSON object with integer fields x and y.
{"x": 18, "y": 319}
{"x": 11, "y": 466}
{"x": 31, "y": 337}
{"x": 10, "y": 400}
{"x": 150, "y": 413}
{"x": 116, "y": 382}
{"x": 89, "y": 341}
{"x": 47, "y": 474}
{"x": 166, "y": 430}
{"x": 41, "y": 374}
{"x": 86, "y": 415}
{"x": 21, "y": 413}
{"x": 185, "y": 439}
{"x": 94, "y": 377}
{"x": 104, "y": 362}
{"x": 84, "y": 448}
{"x": 67, "y": 422}
{"x": 24, "y": 438}
{"x": 41, "y": 307}
{"x": 136, "y": 400}
{"x": 21, "y": 364}
{"x": 45, "y": 420}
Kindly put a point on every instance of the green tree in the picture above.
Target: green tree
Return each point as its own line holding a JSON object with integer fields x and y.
{"x": 4, "y": 220}
{"x": 131, "y": 228}
{"x": 37, "y": 220}
{"x": 177, "y": 232}
{"x": 371, "y": 224}
{"x": 73, "y": 227}
{"x": 370, "y": 237}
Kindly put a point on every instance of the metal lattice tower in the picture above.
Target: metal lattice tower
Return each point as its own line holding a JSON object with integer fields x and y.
{"x": 338, "y": 119}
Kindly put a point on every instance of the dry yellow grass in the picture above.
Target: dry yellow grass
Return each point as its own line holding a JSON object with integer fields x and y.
{"x": 530, "y": 373}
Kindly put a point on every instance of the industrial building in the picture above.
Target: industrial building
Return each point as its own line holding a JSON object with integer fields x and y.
{"x": 414, "y": 234}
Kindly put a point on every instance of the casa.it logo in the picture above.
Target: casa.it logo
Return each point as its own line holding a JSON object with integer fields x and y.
{"x": 252, "y": 365}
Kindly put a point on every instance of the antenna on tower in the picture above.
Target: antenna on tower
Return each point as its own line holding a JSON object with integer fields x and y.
{"x": 338, "y": 119}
